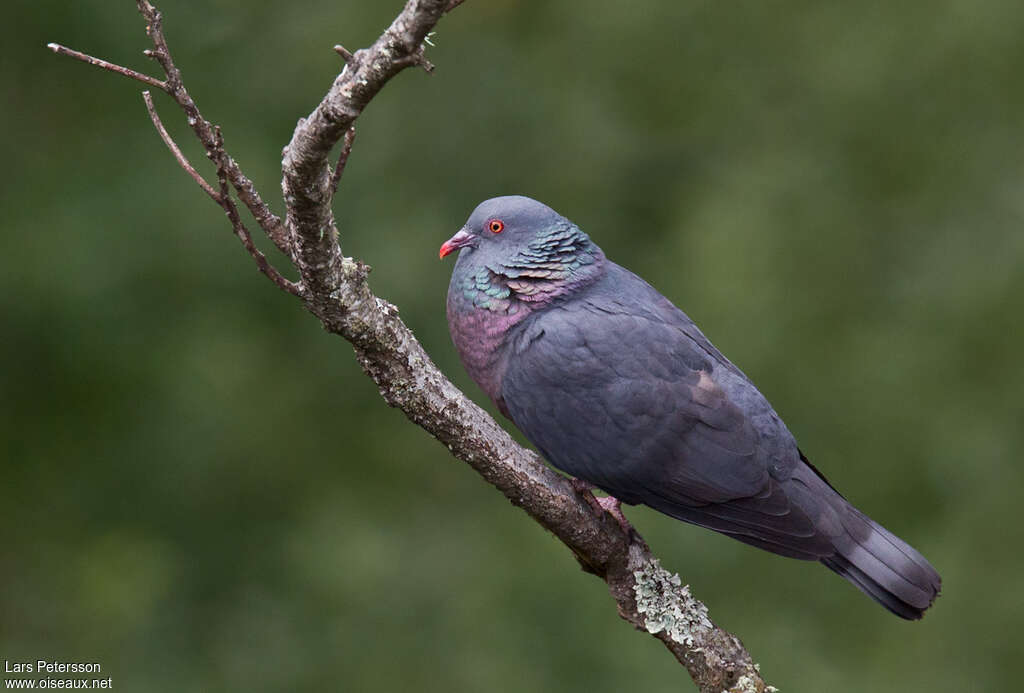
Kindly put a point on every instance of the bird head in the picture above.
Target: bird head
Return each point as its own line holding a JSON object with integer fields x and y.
{"x": 501, "y": 227}
{"x": 517, "y": 247}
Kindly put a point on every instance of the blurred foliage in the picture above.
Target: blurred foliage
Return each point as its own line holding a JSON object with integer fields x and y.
{"x": 201, "y": 490}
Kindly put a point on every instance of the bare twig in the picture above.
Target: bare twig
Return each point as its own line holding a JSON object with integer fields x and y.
{"x": 203, "y": 129}
{"x": 346, "y": 149}
{"x": 344, "y": 53}
{"x": 334, "y": 288}
{"x": 119, "y": 69}
{"x": 417, "y": 59}
{"x": 231, "y": 210}
{"x": 182, "y": 161}
{"x": 222, "y": 198}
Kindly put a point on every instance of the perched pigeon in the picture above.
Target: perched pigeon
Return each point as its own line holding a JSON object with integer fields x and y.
{"x": 618, "y": 387}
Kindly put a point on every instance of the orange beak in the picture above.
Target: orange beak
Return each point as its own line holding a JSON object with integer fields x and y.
{"x": 459, "y": 240}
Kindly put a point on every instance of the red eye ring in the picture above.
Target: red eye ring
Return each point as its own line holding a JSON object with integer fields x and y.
{"x": 495, "y": 226}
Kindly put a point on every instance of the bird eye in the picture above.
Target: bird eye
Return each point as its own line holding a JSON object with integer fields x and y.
{"x": 495, "y": 226}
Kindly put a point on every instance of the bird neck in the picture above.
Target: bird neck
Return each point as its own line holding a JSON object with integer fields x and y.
{"x": 557, "y": 262}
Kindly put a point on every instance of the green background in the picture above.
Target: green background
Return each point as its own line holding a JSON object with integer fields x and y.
{"x": 202, "y": 491}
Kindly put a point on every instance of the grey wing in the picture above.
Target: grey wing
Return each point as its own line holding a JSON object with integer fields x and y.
{"x": 635, "y": 406}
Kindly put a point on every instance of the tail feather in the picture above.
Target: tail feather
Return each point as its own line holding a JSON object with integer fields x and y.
{"x": 876, "y": 561}
{"x": 872, "y": 588}
{"x": 883, "y": 566}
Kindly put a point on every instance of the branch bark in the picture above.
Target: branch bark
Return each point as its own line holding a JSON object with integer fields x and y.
{"x": 334, "y": 288}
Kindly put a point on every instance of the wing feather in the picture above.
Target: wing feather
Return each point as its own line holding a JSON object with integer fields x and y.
{"x": 625, "y": 392}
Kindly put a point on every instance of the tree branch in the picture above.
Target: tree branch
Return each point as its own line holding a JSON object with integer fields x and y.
{"x": 222, "y": 198}
{"x": 334, "y": 288}
{"x": 346, "y": 149}
{"x": 172, "y": 145}
{"x": 203, "y": 129}
{"x": 118, "y": 69}
{"x": 307, "y": 177}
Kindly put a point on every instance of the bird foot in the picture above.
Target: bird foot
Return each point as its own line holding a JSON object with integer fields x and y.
{"x": 613, "y": 506}
{"x": 604, "y": 504}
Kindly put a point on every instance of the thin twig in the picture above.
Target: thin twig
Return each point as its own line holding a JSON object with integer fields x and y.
{"x": 346, "y": 149}
{"x": 417, "y": 59}
{"x": 182, "y": 161}
{"x": 119, "y": 69}
{"x": 271, "y": 224}
{"x": 344, "y": 53}
{"x": 208, "y": 135}
{"x": 203, "y": 129}
{"x": 231, "y": 210}
{"x": 453, "y": 4}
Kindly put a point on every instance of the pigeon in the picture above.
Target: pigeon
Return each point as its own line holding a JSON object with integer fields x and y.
{"x": 618, "y": 388}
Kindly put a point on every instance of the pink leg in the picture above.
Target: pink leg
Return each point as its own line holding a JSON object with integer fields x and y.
{"x": 607, "y": 504}
{"x": 613, "y": 506}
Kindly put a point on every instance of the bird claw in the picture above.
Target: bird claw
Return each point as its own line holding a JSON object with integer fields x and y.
{"x": 613, "y": 506}
{"x": 603, "y": 504}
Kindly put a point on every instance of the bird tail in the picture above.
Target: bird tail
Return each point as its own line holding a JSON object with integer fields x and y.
{"x": 804, "y": 517}
{"x": 882, "y": 565}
